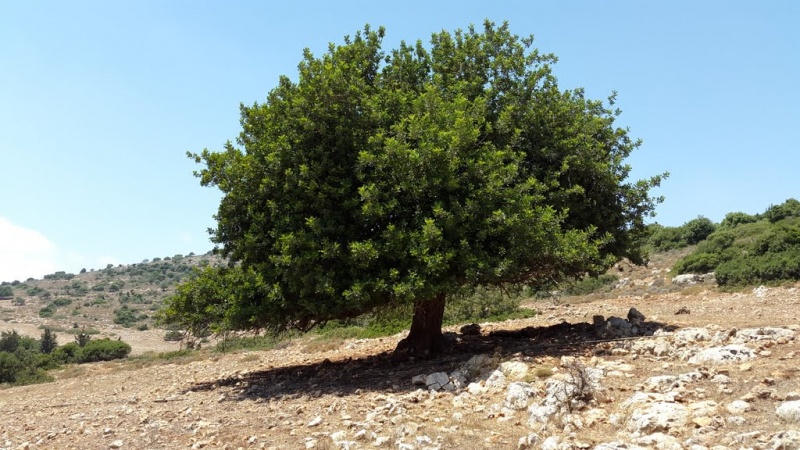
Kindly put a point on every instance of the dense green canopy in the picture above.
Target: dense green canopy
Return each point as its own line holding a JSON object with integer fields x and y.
{"x": 378, "y": 179}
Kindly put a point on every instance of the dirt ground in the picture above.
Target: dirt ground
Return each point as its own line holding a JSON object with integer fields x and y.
{"x": 296, "y": 397}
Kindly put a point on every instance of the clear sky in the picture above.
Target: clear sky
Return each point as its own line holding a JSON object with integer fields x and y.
{"x": 100, "y": 101}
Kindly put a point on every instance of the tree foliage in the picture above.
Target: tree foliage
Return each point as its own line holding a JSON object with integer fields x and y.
{"x": 380, "y": 179}
{"x": 48, "y": 342}
{"x": 662, "y": 239}
{"x": 6, "y": 291}
{"x": 750, "y": 249}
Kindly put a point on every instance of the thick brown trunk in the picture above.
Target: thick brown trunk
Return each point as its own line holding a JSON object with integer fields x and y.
{"x": 425, "y": 338}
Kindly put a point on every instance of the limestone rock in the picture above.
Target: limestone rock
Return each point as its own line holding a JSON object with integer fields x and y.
{"x": 527, "y": 442}
{"x": 617, "y": 446}
{"x": 614, "y": 328}
{"x": 738, "y": 407}
{"x": 762, "y": 334}
{"x": 785, "y": 440}
{"x": 517, "y": 395}
{"x": 789, "y": 411}
{"x": 658, "y": 417}
{"x": 438, "y": 381}
{"x": 687, "y": 336}
{"x": 496, "y": 380}
{"x": 687, "y": 278}
{"x": 514, "y": 370}
{"x": 660, "y": 441}
{"x": 723, "y": 355}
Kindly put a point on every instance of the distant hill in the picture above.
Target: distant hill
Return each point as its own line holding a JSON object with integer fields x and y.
{"x": 124, "y": 295}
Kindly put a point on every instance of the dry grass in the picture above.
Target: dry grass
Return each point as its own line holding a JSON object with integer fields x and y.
{"x": 322, "y": 344}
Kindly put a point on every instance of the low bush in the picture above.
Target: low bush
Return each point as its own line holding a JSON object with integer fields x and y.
{"x": 664, "y": 239}
{"x": 67, "y": 353}
{"x": 173, "y": 336}
{"x": 103, "y": 350}
{"x": 744, "y": 252}
{"x": 589, "y": 285}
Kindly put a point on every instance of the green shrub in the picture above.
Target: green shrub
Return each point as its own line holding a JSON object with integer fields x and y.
{"x": 47, "y": 311}
{"x": 697, "y": 263}
{"x": 6, "y": 291}
{"x": 32, "y": 376}
{"x": 485, "y": 304}
{"x": 10, "y": 366}
{"x": 103, "y": 350}
{"x": 697, "y": 230}
{"x": 126, "y": 316}
{"x": 48, "y": 342}
{"x": 9, "y": 341}
{"x": 67, "y": 353}
{"x": 589, "y": 285}
{"x": 61, "y": 275}
{"x": 173, "y": 336}
{"x": 667, "y": 238}
{"x": 787, "y": 209}
{"x": 82, "y": 338}
{"x": 746, "y": 253}
{"x": 23, "y": 365}
{"x": 734, "y": 219}
{"x": 61, "y": 302}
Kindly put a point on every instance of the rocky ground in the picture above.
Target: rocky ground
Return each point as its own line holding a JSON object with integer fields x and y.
{"x": 713, "y": 371}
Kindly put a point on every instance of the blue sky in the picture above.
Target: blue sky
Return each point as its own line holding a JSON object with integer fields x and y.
{"x": 100, "y": 100}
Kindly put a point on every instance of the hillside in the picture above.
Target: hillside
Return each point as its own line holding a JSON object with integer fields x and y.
{"x": 660, "y": 391}
{"x": 117, "y": 301}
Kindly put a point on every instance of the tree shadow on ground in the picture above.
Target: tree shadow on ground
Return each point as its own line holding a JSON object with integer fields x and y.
{"x": 381, "y": 373}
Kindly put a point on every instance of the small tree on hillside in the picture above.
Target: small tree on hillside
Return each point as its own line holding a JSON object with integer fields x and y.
{"x": 48, "y": 342}
{"x": 379, "y": 179}
{"x": 6, "y": 291}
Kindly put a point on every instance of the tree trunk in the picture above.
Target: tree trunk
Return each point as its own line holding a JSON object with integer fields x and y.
{"x": 425, "y": 338}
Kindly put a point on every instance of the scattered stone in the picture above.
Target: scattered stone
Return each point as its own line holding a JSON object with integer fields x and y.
{"x": 658, "y": 417}
{"x": 527, "y": 442}
{"x": 723, "y": 355}
{"x": 472, "y": 329}
{"x": 380, "y": 441}
{"x": 496, "y": 380}
{"x": 785, "y": 440}
{"x": 789, "y": 411}
{"x": 762, "y": 334}
{"x": 475, "y": 389}
{"x": 687, "y": 278}
{"x": 660, "y": 441}
{"x": 687, "y": 336}
{"x": 617, "y": 446}
{"x": 683, "y": 310}
{"x": 116, "y": 444}
{"x": 551, "y": 443}
{"x": 514, "y": 370}
{"x": 760, "y": 291}
{"x": 438, "y": 381}
{"x": 517, "y": 395}
{"x": 314, "y": 422}
{"x": 613, "y": 328}
{"x": 738, "y": 407}
{"x": 635, "y": 317}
